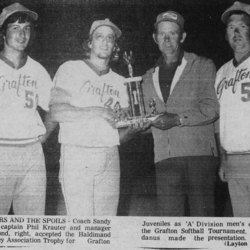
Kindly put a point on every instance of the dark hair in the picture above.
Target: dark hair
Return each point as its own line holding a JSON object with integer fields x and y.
{"x": 21, "y": 17}
{"x": 86, "y": 49}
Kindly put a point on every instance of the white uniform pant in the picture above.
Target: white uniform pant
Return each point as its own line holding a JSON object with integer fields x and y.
{"x": 90, "y": 179}
{"x": 22, "y": 179}
{"x": 238, "y": 176}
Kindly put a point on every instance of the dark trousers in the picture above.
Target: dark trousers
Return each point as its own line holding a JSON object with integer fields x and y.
{"x": 186, "y": 180}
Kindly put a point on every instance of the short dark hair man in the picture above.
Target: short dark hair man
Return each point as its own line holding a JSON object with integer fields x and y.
{"x": 232, "y": 88}
{"x": 24, "y": 84}
{"x": 182, "y": 86}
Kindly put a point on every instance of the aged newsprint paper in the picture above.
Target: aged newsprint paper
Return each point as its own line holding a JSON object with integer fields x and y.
{"x": 124, "y": 232}
{"x": 61, "y": 27}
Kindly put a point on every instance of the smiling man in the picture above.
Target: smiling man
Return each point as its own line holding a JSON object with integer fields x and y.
{"x": 233, "y": 92}
{"x": 82, "y": 101}
{"x": 24, "y": 84}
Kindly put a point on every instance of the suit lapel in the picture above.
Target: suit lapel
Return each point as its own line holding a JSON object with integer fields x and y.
{"x": 156, "y": 83}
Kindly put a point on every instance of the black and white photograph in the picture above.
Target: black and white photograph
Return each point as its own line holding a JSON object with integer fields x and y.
{"x": 119, "y": 126}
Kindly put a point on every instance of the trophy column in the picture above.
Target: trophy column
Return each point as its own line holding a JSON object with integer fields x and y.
{"x": 137, "y": 108}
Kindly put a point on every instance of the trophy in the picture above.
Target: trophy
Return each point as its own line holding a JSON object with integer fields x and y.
{"x": 152, "y": 106}
{"x": 136, "y": 103}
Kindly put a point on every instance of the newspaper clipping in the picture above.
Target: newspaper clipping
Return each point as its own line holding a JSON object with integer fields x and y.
{"x": 124, "y": 124}
{"x": 124, "y": 233}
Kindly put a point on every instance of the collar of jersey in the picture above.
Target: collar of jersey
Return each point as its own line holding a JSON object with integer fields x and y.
{"x": 96, "y": 70}
{"x": 11, "y": 64}
{"x": 236, "y": 64}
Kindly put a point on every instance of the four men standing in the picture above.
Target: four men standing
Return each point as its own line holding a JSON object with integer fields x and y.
{"x": 82, "y": 101}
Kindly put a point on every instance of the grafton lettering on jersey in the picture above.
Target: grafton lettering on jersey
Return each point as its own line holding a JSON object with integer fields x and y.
{"x": 22, "y": 81}
{"x": 225, "y": 83}
{"x": 106, "y": 89}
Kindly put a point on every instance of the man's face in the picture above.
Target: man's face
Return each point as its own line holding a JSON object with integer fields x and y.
{"x": 103, "y": 42}
{"x": 238, "y": 34}
{"x": 18, "y": 35}
{"x": 169, "y": 37}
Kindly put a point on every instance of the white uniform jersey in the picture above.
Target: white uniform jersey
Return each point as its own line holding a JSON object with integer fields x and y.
{"x": 233, "y": 91}
{"x": 21, "y": 90}
{"x": 83, "y": 87}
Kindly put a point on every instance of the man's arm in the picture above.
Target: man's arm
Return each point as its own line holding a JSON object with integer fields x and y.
{"x": 129, "y": 132}
{"x": 205, "y": 108}
{"x": 167, "y": 121}
{"x": 64, "y": 112}
{"x": 223, "y": 159}
{"x": 49, "y": 125}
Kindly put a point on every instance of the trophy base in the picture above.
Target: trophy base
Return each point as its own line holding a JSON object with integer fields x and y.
{"x": 153, "y": 117}
{"x": 134, "y": 120}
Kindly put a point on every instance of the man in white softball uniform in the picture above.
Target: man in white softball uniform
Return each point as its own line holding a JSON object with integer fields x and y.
{"x": 24, "y": 84}
{"x": 233, "y": 92}
{"x": 82, "y": 101}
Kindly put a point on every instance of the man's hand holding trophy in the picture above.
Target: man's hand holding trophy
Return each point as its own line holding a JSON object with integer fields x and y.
{"x": 136, "y": 116}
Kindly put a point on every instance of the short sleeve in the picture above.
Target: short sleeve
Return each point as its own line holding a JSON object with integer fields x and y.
{"x": 61, "y": 92}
